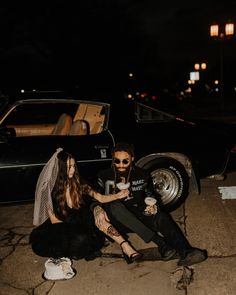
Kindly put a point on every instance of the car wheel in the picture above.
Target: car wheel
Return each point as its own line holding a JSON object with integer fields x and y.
{"x": 170, "y": 181}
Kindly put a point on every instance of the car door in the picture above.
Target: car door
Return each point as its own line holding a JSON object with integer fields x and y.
{"x": 23, "y": 157}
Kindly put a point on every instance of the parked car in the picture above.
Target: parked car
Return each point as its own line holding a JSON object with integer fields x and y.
{"x": 177, "y": 153}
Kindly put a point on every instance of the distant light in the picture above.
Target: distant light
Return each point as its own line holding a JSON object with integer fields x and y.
{"x": 188, "y": 90}
{"x": 216, "y": 89}
{"x": 197, "y": 67}
{"x": 154, "y": 97}
{"x": 131, "y": 75}
{"x": 129, "y": 96}
{"x": 214, "y": 30}
{"x": 143, "y": 95}
{"x": 189, "y": 81}
{"x": 203, "y": 66}
{"x": 216, "y": 82}
{"x": 22, "y": 91}
{"x": 229, "y": 29}
{"x": 234, "y": 88}
{"x": 194, "y": 76}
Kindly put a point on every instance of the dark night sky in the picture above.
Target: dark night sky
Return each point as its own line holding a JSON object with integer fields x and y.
{"x": 95, "y": 44}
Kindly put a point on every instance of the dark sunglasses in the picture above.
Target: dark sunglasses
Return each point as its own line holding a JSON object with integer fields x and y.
{"x": 118, "y": 161}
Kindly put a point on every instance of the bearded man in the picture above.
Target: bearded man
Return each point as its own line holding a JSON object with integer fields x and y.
{"x": 148, "y": 221}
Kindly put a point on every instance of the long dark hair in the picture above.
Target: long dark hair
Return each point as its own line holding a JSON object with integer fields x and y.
{"x": 63, "y": 181}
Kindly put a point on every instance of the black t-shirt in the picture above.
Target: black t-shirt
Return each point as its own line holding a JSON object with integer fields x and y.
{"x": 141, "y": 186}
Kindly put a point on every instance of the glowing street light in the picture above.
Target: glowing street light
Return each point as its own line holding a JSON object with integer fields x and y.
{"x": 201, "y": 66}
{"x": 217, "y": 32}
{"x": 221, "y": 33}
{"x": 229, "y": 29}
{"x": 197, "y": 67}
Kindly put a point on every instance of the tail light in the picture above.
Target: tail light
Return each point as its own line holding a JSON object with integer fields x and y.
{"x": 233, "y": 150}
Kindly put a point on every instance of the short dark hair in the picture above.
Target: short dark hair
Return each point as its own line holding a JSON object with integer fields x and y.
{"x": 123, "y": 147}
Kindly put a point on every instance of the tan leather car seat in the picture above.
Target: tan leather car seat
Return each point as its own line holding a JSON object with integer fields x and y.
{"x": 63, "y": 125}
{"x": 79, "y": 127}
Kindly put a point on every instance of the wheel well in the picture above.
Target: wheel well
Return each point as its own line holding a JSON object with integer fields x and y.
{"x": 182, "y": 159}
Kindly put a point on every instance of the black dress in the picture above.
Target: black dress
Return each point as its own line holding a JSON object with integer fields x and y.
{"x": 76, "y": 237}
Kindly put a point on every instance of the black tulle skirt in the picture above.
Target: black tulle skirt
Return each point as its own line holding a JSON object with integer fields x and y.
{"x": 76, "y": 238}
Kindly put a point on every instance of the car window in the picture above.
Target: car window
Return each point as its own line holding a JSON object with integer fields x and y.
{"x": 55, "y": 118}
{"x": 39, "y": 113}
{"x": 146, "y": 113}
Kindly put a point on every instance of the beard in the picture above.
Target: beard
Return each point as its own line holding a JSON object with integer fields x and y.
{"x": 122, "y": 174}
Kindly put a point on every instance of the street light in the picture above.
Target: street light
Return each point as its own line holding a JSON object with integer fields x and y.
{"x": 201, "y": 66}
{"x": 217, "y": 33}
{"x": 221, "y": 33}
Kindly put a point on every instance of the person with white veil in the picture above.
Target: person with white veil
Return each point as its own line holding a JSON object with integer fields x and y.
{"x": 64, "y": 222}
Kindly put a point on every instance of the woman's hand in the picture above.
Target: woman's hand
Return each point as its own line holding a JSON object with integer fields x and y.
{"x": 52, "y": 216}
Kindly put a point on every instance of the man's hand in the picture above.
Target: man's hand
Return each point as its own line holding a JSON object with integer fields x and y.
{"x": 122, "y": 194}
{"x": 151, "y": 210}
{"x": 100, "y": 217}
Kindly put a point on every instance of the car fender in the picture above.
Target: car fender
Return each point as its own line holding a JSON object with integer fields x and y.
{"x": 194, "y": 182}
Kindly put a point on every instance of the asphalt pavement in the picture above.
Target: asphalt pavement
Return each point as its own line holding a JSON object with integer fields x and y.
{"x": 207, "y": 220}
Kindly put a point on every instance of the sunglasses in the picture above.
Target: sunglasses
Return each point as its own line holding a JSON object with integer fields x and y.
{"x": 118, "y": 161}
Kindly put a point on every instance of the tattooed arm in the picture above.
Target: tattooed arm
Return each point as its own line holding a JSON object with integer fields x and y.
{"x": 109, "y": 198}
{"x": 106, "y": 198}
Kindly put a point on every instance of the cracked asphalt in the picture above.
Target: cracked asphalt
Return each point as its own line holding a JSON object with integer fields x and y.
{"x": 208, "y": 221}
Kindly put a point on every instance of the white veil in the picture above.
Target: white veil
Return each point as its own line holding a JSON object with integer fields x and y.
{"x": 44, "y": 187}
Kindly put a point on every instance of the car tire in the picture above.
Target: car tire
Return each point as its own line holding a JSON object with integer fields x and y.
{"x": 170, "y": 181}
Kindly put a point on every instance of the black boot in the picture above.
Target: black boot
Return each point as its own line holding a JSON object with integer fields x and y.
{"x": 193, "y": 256}
{"x": 165, "y": 250}
{"x": 167, "y": 253}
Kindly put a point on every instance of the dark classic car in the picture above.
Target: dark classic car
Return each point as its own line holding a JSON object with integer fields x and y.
{"x": 177, "y": 153}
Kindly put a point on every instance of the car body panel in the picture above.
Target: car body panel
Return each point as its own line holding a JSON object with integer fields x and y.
{"x": 207, "y": 148}
{"x": 24, "y": 148}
